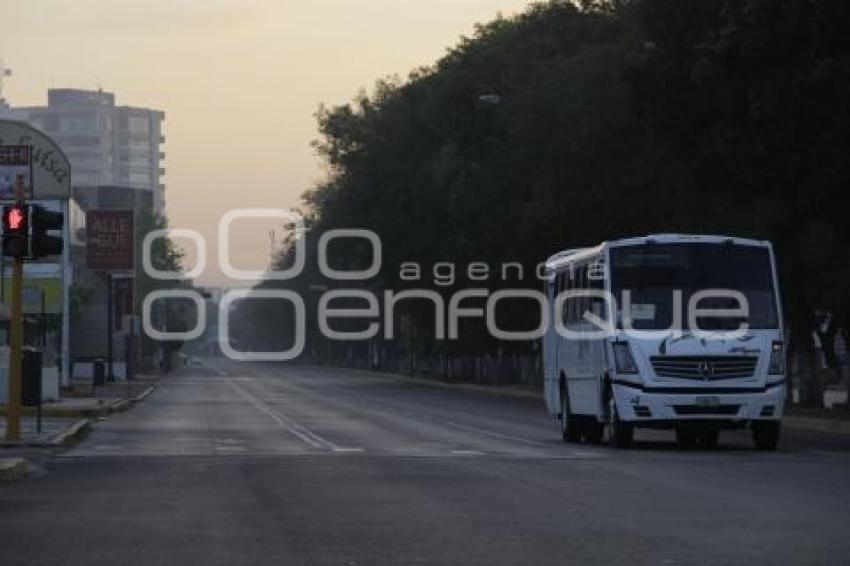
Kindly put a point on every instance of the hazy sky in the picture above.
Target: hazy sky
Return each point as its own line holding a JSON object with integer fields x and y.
{"x": 239, "y": 81}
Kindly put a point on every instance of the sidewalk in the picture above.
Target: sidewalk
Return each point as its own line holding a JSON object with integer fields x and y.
{"x": 835, "y": 421}
{"x": 105, "y": 399}
{"x": 12, "y": 469}
{"x": 18, "y": 457}
{"x": 64, "y": 422}
{"x": 55, "y": 431}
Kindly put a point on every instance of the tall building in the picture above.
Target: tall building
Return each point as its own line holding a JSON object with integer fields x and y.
{"x": 108, "y": 145}
{"x": 116, "y": 157}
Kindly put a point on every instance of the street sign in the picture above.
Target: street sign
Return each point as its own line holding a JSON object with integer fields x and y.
{"x": 15, "y": 161}
{"x": 109, "y": 240}
{"x": 50, "y": 173}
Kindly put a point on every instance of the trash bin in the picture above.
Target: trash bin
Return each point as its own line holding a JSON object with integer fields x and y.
{"x": 31, "y": 378}
{"x": 98, "y": 372}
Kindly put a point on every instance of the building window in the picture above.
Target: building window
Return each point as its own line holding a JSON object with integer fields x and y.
{"x": 140, "y": 179}
{"x": 84, "y": 123}
{"x": 138, "y": 125}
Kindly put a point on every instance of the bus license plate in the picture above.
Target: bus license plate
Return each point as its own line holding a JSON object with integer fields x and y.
{"x": 707, "y": 401}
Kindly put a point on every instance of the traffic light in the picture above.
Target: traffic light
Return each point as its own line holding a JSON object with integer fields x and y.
{"x": 25, "y": 231}
{"x": 41, "y": 221}
{"x": 15, "y": 230}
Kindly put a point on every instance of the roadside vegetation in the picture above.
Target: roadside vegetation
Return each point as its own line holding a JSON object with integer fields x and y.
{"x": 573, "y": 123}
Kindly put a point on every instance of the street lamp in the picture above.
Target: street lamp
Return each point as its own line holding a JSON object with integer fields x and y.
{"x": 490, "y": 98}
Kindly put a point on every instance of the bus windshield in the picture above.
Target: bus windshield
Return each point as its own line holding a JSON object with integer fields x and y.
{"x": 652, "y": 272}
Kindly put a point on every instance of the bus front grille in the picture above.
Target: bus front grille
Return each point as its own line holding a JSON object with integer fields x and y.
{"x": 704, "y": 368}
{"x": 693, "y": 410}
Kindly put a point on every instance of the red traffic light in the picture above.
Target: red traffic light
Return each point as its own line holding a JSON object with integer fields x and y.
{"x": 15, "y": 236}
{"x": 14, "y": 219}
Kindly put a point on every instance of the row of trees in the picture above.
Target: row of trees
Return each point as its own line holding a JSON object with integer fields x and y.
{"x": 573, "y": 123}
{"x": 173, "y": 316}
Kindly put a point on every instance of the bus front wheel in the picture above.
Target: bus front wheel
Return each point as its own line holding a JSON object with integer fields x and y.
{"x": 620, "y": 433}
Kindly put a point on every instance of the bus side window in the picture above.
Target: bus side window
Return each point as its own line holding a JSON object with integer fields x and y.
{"x": 569, "y": 315}
{"x": 581, "y": 277}
{"x": 596, "y": 282}
{"x": 561, "y": 283}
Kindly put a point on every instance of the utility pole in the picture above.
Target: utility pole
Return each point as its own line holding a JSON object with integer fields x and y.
{"x": 16, "y": 328}
{"x": 110, "y": 375}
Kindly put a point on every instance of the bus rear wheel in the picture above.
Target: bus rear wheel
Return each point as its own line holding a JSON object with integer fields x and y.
{"x": 594, "y": 432}
{"x": 570, "y": 430}
{"x": 686, "y": 438}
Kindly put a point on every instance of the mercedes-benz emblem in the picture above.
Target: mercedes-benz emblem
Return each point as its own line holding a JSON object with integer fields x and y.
{"x": 706, "y": 370}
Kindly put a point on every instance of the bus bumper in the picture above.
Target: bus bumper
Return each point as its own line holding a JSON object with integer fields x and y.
{"x": 637, "y": 403}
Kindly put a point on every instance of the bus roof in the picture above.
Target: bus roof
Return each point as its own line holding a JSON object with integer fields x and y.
{"x": 566, "y": 257}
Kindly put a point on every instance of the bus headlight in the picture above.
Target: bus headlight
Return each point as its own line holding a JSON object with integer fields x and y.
{"x": 623, "y": 358}
{"x": 777, "y": 359}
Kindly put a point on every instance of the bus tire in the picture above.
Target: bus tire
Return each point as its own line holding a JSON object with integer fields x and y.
{"x": 710, "y": 438}
{"x": 594, "y": 433}
{"x": 620, "y": 433}
{"x": 766, "y": 434}
{"x": 686, "y": 437}
{"x": 570, "y": 430}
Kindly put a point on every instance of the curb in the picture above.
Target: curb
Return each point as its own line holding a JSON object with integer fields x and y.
{"x": 124, "y": 404}
{"x": 815, "y": 424}
{"x": 12, "y": 469}
{"x": 73, "y": 433}
{"x": 66, "y": 437}
{"x": 832, "y": 426}
{"x": 93, "y": 411}
{"x": 117, "y": 406}
{"x": 144, "y": 394}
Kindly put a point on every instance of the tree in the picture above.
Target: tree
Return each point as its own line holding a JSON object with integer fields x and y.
{"x": 613, "y": 118}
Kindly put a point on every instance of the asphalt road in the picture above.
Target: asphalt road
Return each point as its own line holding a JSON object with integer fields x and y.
{"x": 252, "y": 464}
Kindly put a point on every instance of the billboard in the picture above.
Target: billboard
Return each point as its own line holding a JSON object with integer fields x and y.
{"x": 15, "y": 160}
{"x": 40, "y": 294}
{"x": 50, "y": 171}
{"x": 109, "y": 240}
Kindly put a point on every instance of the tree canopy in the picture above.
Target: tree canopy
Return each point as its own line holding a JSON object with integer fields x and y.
{"x": 573, "y": 123}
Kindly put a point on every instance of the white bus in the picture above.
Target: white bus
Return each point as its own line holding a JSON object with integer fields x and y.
{"x": 687, "y": 335}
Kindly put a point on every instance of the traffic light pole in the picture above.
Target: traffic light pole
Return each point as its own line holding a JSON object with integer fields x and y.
{"x": 16, "y": 331}
{"x": 110, "y": 373}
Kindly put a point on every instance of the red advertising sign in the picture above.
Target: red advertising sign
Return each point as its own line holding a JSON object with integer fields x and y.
{"x": 109, "y": 240}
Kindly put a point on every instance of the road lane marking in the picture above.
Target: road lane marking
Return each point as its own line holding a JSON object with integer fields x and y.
{"x": 296, "y": 430}
{"x": 230, "y": 448}
{"x": 586, "y": 454}
{"x": 468, "y": 453}
{"x": 300, "y": 431}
